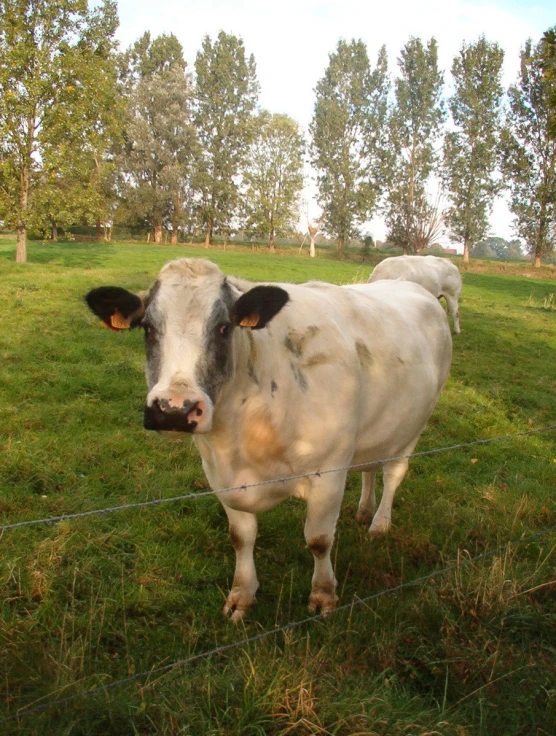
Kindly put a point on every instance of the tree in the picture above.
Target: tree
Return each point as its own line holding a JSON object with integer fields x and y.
{"x": 529, "y": 159}
{"x": 226, "y": 93}
{"x": 348, "y": 138}
{"x": 413, "y": 129}
{"x": 274, "y": 177}
{"x": 471, "y": 150}
{"x": 549, "y": 70}
{"x": 53, "y": 63}
{"x": 160, "y": 147}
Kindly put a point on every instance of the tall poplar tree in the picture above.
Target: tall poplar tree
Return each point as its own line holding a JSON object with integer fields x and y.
{"x": 472, "y": 149}
{"x": 160, "y": 141}
{"x": 274, "y": 177}
{"x": 52, "y": 62}
{"x": 226, "y": 93}
{"x": 347, "y": 133}
{"x": 529, "y": 159}
{"x": 413, "y": 131}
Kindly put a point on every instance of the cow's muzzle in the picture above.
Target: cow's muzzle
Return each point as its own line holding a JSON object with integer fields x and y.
{"x": 162, "y": 416}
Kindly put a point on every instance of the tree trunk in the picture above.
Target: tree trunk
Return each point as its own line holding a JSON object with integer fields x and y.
{"x": 98, "y": 233}
{"x": 174, "y": 239}
{"x": 466, "y": 250}
{"x": 54, "y": 232}
{"x": 208, "y": 233}
{"x": 312, "y": 246}
{"x": 157, "y": 233}
{"x": 405, "y": 249}
{"x": 341, "y": 243}
{"x": 271, "y": 247}
{"x": 21, "y": 247}
{"x": 537, "y": 262}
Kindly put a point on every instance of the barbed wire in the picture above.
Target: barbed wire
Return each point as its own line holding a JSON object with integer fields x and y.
{"x": 181, "y": 663}
{"x": 187, "y": 496}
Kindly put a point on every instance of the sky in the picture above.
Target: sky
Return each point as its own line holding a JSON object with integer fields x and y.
{"x": 292, "y": 39}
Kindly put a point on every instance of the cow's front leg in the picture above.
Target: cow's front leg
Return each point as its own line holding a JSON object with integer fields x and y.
{"x": 243, "y": 531}
{"x": 323, "y": 508}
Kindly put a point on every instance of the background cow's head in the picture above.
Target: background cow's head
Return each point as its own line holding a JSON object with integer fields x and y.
{"x": 188, "y": 316}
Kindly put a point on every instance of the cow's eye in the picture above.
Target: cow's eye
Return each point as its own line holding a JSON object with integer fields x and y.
{"x": 224, "y": 329}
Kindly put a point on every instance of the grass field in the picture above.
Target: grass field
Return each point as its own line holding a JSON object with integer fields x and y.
{"x": 87, "y": 602}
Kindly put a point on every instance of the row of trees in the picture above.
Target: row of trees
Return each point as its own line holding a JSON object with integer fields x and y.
{"x": 88, "y": 134}
{"x": 91, "y": 135}
{"x": 405, "y": 157}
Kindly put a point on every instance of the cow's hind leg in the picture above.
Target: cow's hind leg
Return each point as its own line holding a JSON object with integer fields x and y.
{"x": 393, "y": 474}
{"x": 453, "y": 309}
{"x": 243, "y": 531}
{"x": 323, "y": 508}
{"x": 367, "y": 502}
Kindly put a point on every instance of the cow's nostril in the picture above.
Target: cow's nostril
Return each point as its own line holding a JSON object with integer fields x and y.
{"x": 199, "y": 412}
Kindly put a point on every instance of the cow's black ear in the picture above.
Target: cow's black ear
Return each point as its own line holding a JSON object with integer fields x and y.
{"x": 118, "y": 309}
{"x": 258, "y": 306}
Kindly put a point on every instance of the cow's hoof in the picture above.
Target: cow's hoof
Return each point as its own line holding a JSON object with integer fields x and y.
{"x": 323, "y": 603}
{"x": 364, "y": 517}
{"x": 237, "y": 604}
{"x": 379, "y": 530}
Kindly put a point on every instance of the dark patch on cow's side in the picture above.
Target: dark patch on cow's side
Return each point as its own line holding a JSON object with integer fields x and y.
{"x": 299, "y": 377}
{"x": 295, "y": 341}
{"x": 244, "y": 400}
{"x": 319, "y": 546}
{"x": 153, "y": 326}
{"x": 237, "y": 541}
{"x": 273, "y": 388}
{"x": 214, "y": 366}
{"x": 364, "y": 355}
{"x": 251, "y": 372}
{"x": 317, "y": 359}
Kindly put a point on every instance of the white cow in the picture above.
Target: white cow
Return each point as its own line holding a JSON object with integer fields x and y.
{"x": 437, "y": 275}
{"x": 285, "y": 380}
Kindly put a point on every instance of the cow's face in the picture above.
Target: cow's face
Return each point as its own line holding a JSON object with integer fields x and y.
{"x": 189, "y": 317}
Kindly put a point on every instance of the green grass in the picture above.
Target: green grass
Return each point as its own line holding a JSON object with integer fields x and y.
{"x": 90, "y": 601}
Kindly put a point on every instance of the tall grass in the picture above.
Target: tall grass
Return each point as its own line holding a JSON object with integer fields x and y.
{"x": 90, "y": 601}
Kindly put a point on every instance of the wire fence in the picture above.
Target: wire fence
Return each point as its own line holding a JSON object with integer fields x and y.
{"x": 182, "y": 663}
{"x": 187, "y": 496}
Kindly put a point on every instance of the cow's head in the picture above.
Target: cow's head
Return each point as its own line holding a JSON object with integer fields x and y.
{"x": 189, "y": 317}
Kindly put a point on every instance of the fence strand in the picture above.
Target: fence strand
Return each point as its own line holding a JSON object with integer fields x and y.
{"x": 181, "y": 663}
{"x": 187, "y": 496}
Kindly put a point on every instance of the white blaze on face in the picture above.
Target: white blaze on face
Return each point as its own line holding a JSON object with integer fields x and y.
{"x": 187, "y": 325}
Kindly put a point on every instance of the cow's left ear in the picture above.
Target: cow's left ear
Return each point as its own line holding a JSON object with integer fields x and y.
{"x": 258, "y": 306}
{"x": 118, "y": 309}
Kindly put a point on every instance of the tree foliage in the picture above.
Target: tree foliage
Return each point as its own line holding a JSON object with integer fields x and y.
{"x": 274, "y": 177}
{"x": 471, "y": 150}
{"x": 56, "y": 86}
{"x": 160, "y": 141}
{"x": 530, "y": 156}
{"x": 348, "y": 138}
{"x": 226, "y": 93}
{"x": 414, "y": 128}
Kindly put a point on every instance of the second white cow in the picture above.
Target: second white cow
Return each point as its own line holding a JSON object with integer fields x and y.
{"x": 437, "y": 275}
{"x": 283, "y": 387}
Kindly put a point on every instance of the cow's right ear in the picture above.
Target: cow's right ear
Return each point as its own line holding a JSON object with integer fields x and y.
{"x": 117, "y": 308}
